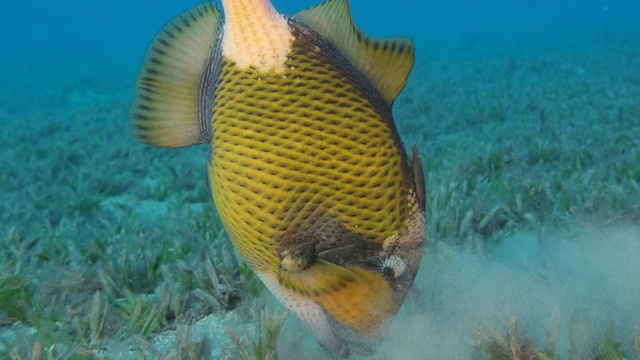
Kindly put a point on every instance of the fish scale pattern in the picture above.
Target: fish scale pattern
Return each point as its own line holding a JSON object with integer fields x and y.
{"x": 290, "y": 147}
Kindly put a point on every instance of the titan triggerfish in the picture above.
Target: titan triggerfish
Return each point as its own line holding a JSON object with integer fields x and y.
{"x": 307, "y": 170}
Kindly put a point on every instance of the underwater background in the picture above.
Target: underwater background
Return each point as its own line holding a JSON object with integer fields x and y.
{"x": 527, "y": 115}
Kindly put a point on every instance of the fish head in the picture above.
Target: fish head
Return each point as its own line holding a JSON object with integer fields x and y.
{"x": 356, "y": 285}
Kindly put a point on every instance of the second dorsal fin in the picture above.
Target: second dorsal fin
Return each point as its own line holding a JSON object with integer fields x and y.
{"x": 385, "y": 62}
{"x": 171, "y": 106}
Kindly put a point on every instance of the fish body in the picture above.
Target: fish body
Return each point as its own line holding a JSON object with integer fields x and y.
{"x": 306, "y": 170}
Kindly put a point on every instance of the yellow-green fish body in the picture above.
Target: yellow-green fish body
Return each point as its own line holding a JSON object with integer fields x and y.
{"x": 307, "y": 170}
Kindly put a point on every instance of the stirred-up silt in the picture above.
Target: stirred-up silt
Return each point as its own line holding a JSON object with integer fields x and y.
{"x": 306, "y": 170}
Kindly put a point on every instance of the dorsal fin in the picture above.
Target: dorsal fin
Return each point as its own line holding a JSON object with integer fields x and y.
{"x": 385, "y": 62}
{"x": 172, "y": 101}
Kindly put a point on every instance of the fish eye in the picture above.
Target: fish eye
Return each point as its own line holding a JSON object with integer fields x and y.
{"x": 393, "y": 267}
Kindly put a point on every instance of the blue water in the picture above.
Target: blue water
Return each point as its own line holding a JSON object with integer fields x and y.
{"x": 105, "y": 36}
{"x": 43, "y": 41}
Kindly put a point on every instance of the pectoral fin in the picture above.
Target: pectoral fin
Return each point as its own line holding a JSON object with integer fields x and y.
{"x": 319, "y": 278}
{"x": 418, "y": 177}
